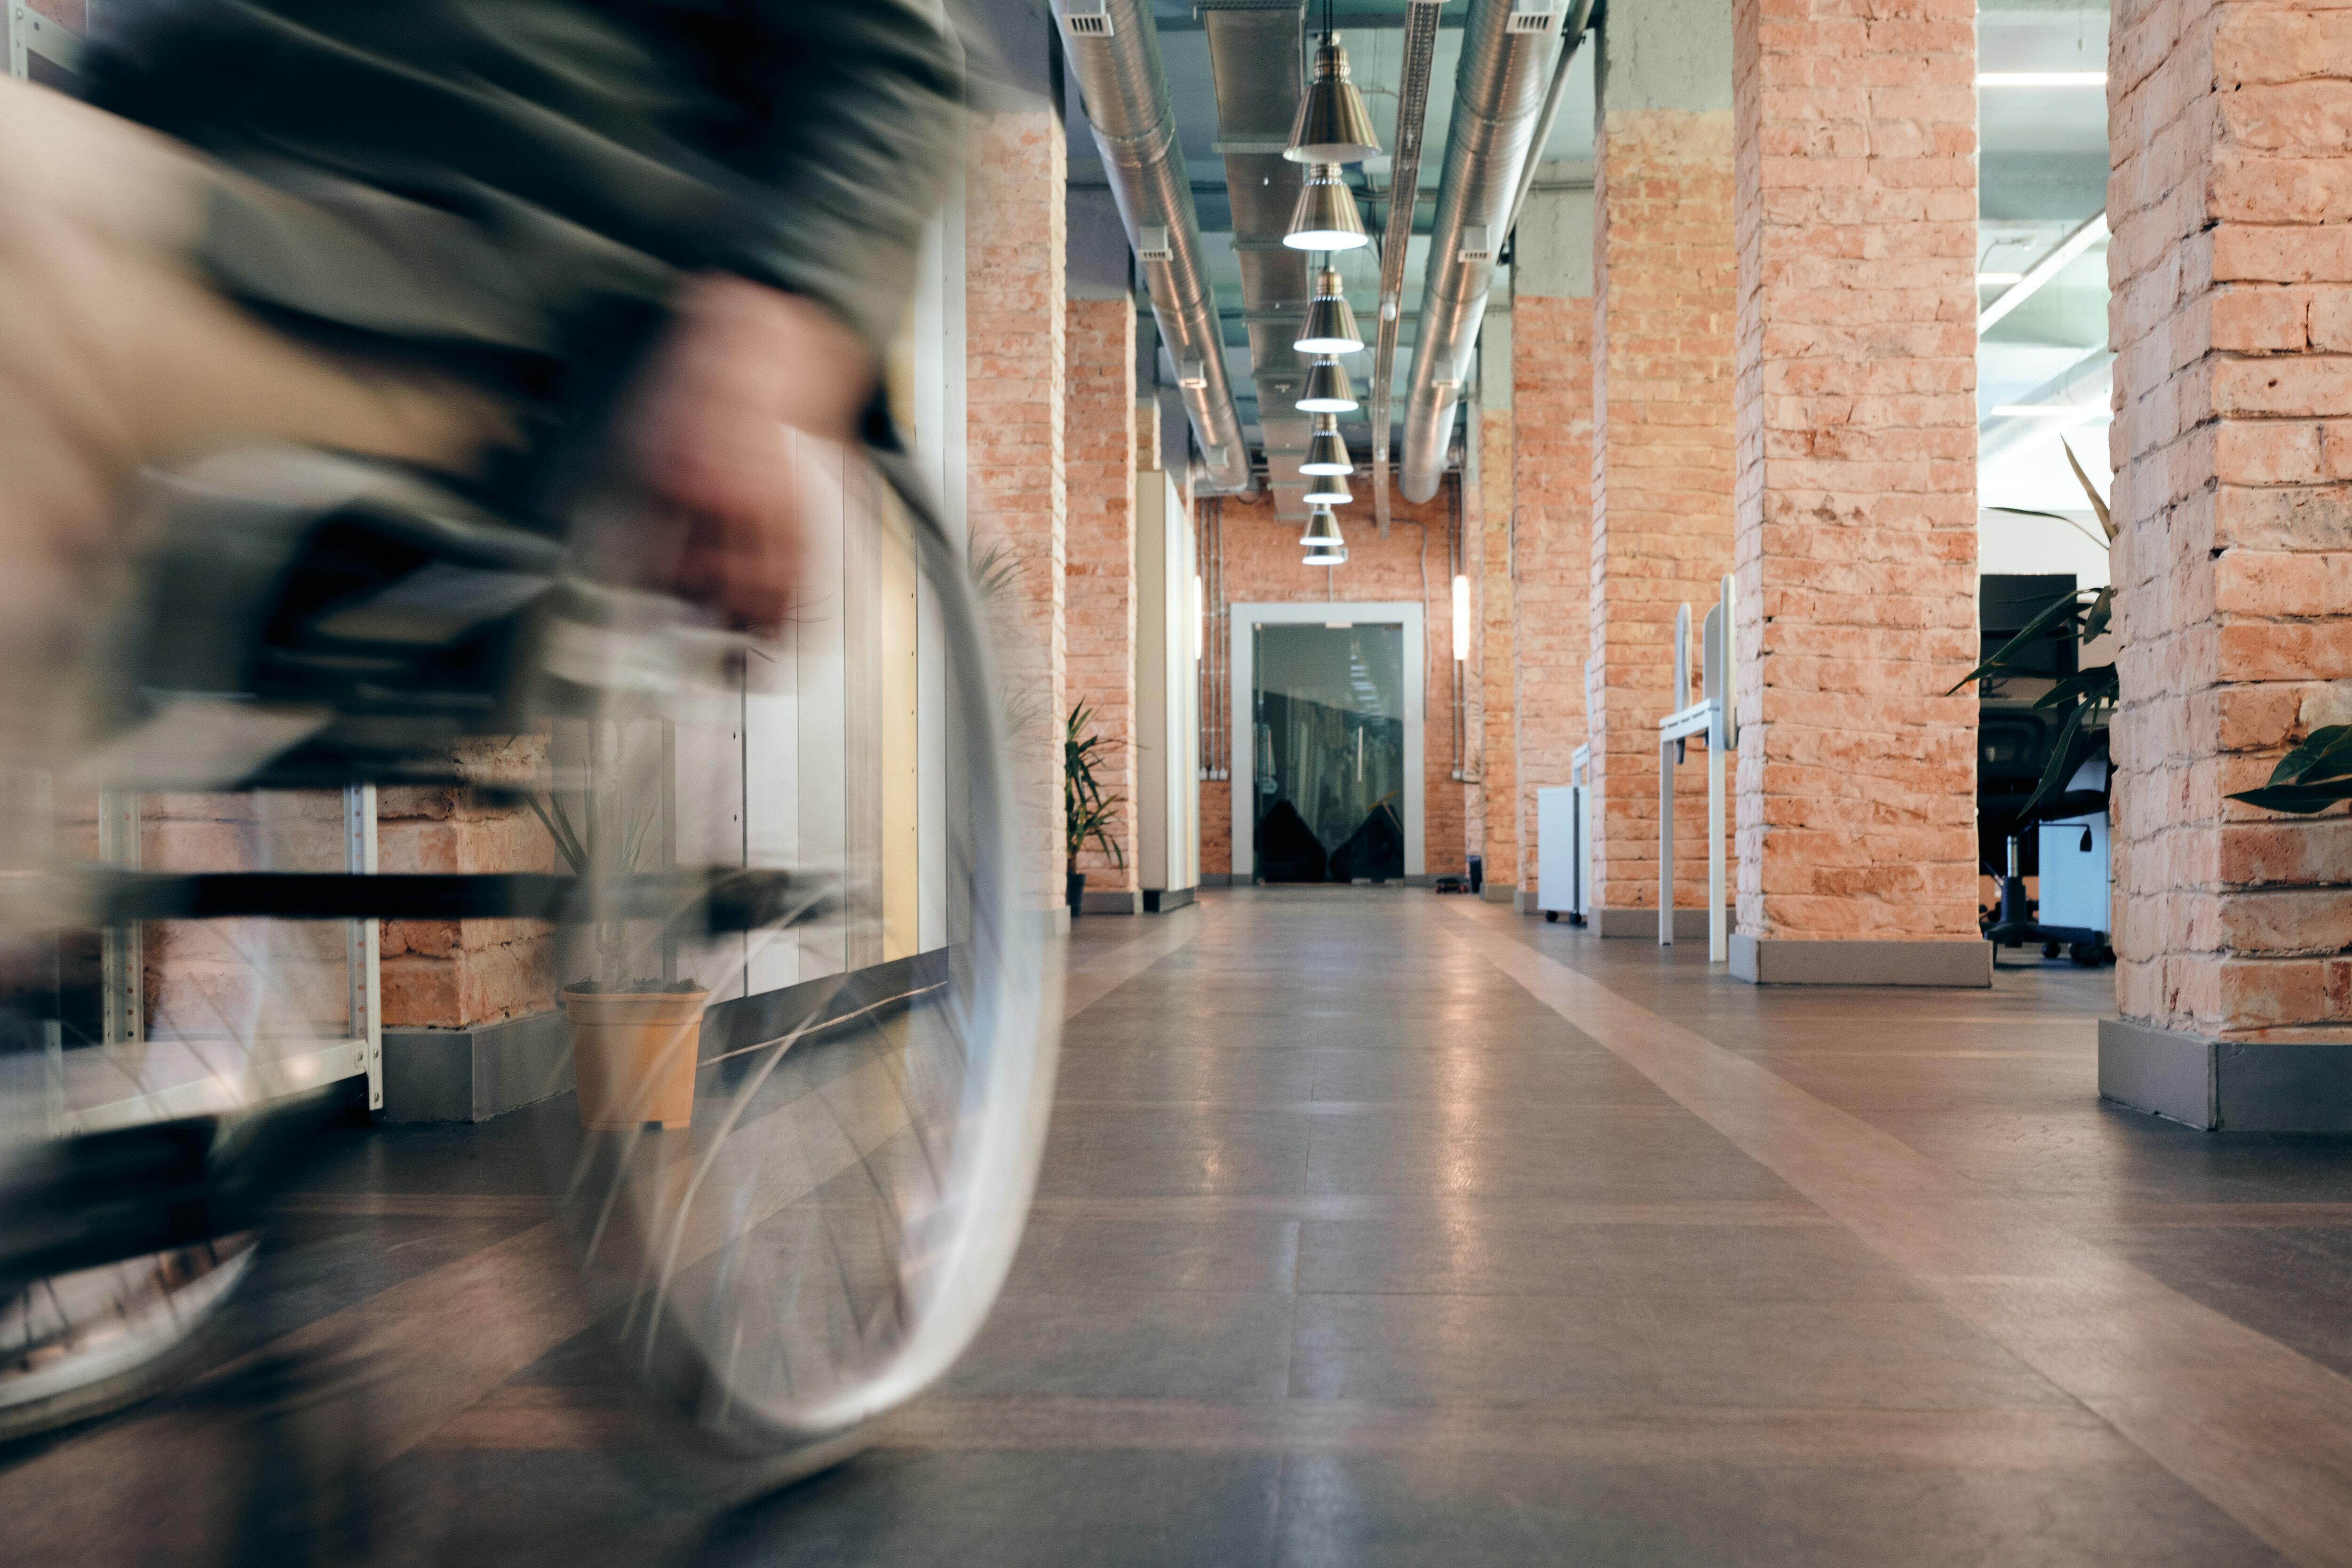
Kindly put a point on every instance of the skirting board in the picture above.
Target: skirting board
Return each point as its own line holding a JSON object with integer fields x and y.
{"x": 2227, "y": 1086}
{"x": 1111, "y": 901}
{"x": 1690, "y": 925}
{"x": 1159, "y": 901}
{"x": 1500, "y": 893}
{"x": 1218, "y": 879}
{"x": 472, "y": 1074}
{"x": 1767, "y": 962}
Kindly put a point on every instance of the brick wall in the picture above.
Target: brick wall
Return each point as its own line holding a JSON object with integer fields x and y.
{"x": 1857, "y": 440}
{"x": 1100, "y": 450}
{"x": 1014, "y": 370}
{"x": 1662, "y": 474}
{"x": 2230, "y": 203}
{"x": 1551, "y": 586}
{"x": 1262, "y": 564}
{"x": 1496, "y": 650}
{"x": 455, "y": 974}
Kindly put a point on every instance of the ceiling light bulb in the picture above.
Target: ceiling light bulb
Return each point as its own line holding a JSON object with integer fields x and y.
{"x": 1334, "y": 556}
{"x": 1327, "y": 449}
{"x": 1331, "y": 326}
{"x": 1330, "y": 490}
{"x": 1330, "y": 389}
{"x": 1326, "y": 218}
{"x": 1333, "y": 126}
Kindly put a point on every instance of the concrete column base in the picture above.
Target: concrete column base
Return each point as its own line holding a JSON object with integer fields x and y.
{"x": 1500, "y": 893}
{"x": 1767, "y": 962}
{"x": 2227, "y": 1086}
{"x": 472, "y": 1074}
{"x": 1690, "y": 925}
{"x": 1159, "y": 901}
{"x": 1111, "y": 901}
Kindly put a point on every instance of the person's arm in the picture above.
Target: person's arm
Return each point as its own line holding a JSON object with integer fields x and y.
{"x": 856, "y": 145}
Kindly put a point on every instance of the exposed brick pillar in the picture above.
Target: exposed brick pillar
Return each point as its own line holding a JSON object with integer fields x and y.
{"x": 458, "y": 973}
{"x": 1014, "y": 395}
{"x": 1855, "y": 153}
{"x": 2231, "y": 204}
{"x": 1551, "y": 586}
{"x": 1494, "y": 834}
{"x": 1099, "y": 453}
{"x": 1663, "y": 263}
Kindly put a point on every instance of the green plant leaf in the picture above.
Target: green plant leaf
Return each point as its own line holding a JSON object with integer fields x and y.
{"x": 2300, "y": 799}
{"x": 2063, "y": 761}
{"x": 2098, "y": 504}
{"x": 2096, "y": 684}
{"x": 2062, "y": 610}
{"x": 2101, "y": 615}
{"x": 2325, "y": 753}
{"x": 2054, "y": 517}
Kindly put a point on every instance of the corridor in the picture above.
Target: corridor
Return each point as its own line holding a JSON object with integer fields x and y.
{"x": 1378, "y": 1228}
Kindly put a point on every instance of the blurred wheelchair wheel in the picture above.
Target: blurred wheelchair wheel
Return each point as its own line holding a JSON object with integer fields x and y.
{"x": 822, "y": 1232}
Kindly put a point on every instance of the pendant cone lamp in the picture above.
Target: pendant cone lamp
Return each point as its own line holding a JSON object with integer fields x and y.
{"x": 1330, "y": 389}
{"x": 1326, "y": 218}
{"x": 1331, "y": 326}
{"x": 1330, "y": 490}
{"x": 1333, "y": 126}
{"x": 1337, "y": 555}
{"x": 1322, "y": 530}
{"x": 1327, "y": 449}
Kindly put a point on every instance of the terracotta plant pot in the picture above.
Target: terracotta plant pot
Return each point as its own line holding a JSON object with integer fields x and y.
{"x": 633, "y": 1054}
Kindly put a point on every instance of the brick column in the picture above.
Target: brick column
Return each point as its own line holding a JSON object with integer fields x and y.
{"x": 1100, "y": 455}
{"x": 1492, "y": 650}
{"x": 2231, "y": 204}
{"x": 1662, "y": 482}
{"x": 1551, "y": 578}
{"x": 1855, "y": 152}
{"x": 1015, "y": 378}
{"x": 1551, "y": 586}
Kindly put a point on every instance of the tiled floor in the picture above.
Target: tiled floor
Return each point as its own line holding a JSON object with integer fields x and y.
{"x": 1378, "y": 1228}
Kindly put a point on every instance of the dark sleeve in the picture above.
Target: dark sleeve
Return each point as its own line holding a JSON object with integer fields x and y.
{"x": 864, "y": 129}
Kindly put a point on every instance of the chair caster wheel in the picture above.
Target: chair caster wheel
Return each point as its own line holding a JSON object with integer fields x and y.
{"x": 1552, "y": 917}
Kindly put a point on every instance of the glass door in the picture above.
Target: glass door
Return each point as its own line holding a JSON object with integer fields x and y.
{"x": 1328, "y": 706}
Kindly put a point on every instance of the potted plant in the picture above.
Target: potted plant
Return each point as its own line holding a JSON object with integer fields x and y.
{"x": 1087, "y": 812}
{"x": 636, "y": 1037}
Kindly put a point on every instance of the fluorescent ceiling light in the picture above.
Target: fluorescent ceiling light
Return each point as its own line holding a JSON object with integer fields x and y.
{"x": 2042, "y": 78}
{"x": 2042, "y": 271}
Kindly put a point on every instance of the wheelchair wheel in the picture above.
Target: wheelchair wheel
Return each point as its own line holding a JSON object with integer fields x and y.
{"x": 814, "y": 1101}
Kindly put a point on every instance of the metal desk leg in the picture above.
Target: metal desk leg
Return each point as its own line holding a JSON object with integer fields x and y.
{"x": 1718, "y": 935}
{"x": 1665, "y": 844}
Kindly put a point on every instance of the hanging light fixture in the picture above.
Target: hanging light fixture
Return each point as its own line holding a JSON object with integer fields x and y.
{"x": 1326, "y": 218}
{"x": 1331, "y": 326}
{"x": 1322, "y": 530}
{"x": 1327, "y": 449}
{"x": 1330, "y": 389}
{"x": 1333, "y": 126}
{"x": 1330, "y": 490}
{"x": 1337, "y": 555}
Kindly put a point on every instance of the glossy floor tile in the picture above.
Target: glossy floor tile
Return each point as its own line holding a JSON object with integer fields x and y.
{"x": 1381, "y": 1228}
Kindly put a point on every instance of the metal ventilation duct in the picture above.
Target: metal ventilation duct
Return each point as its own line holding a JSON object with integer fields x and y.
{"x": 1496, "y": 94}
{"x": 1113, "y": 49}
{"x": 1253, "y": 57}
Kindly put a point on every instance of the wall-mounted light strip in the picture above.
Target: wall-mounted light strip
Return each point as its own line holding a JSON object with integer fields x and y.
{"x": 2049, "y": 267}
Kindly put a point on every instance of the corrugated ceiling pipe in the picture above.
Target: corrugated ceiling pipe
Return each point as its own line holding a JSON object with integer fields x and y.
{"x": 1114, "y": 53}
{"x": 1497, "y": 95}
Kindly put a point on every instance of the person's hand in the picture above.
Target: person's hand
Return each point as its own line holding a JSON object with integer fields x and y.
{"x": 741, "y": 366}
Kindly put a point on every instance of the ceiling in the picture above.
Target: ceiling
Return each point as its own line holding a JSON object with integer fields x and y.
{"x": 2041, "y": 175}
